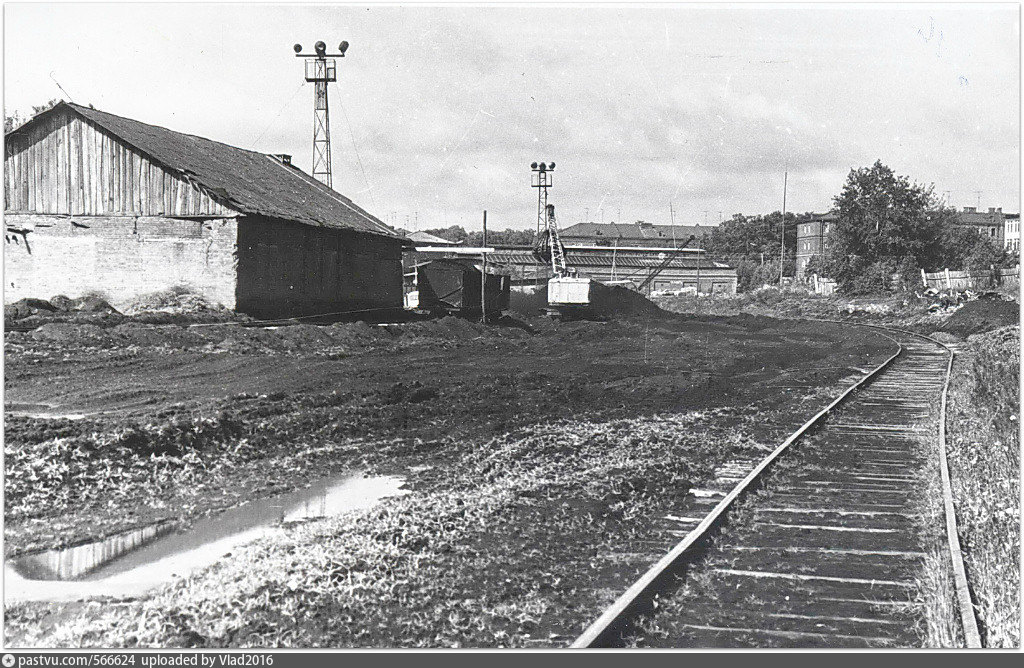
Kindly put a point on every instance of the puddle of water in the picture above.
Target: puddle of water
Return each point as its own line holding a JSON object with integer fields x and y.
{"x": 131, "y": 563}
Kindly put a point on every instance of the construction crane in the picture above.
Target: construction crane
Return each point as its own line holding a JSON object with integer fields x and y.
{"x": 566, "y": 290}
{"x": 548, "y": 248}
{"x": 664, "y": 265}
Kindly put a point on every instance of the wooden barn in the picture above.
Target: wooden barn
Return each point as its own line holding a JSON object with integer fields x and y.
{"x": 97, "y": 203}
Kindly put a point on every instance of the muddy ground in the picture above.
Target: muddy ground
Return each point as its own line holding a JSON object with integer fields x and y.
{"x": 552, "y": 445}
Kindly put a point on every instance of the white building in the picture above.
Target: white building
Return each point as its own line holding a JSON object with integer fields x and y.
{"x": 1011, "y": 231}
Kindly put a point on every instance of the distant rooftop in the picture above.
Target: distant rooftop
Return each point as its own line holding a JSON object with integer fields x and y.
{"x": 632, "y": 232}
{"x": 971, "y": 216}
{"x": 427, "y": 238}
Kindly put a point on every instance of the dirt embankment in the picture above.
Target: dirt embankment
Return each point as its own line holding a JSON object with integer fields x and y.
{"x": 981, "y": 316}
{"x": 920, "y": 313}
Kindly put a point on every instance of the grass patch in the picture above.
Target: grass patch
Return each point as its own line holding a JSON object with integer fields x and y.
{"x": 512, "y": 551}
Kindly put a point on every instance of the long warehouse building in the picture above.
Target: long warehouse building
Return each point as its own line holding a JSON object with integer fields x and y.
{"x": 685, "y": 270}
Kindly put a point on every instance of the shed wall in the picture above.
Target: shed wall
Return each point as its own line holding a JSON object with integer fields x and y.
{"x": 65, "y": 164}
{"x": 119, "y": 257}
{"x": 287, "y": 269}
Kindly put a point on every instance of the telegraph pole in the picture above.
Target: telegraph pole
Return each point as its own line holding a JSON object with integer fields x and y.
{"x": 782, "y": 241}
{"x": 321, "y": 69}
{"x": 483, "y": 275}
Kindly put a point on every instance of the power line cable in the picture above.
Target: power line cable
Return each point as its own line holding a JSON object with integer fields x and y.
{"x": 278, "y": 115}
{"x": 355, "y": 148}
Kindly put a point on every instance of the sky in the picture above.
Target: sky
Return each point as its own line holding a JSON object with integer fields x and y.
{"x": 686, "y": 113}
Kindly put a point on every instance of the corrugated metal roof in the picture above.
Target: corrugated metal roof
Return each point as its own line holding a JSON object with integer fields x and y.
{"x": 605, "y": 260}
{"x": 633, "y": 231}
{"x": 248, "y": 181}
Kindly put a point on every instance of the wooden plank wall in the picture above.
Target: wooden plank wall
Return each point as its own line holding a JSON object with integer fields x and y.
{"x": 287, "y": 269}
{"x": 971, "y": 280}
{"x": 66, "y": 165}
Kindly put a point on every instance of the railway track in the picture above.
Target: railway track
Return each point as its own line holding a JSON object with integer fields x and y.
{"x": 829, "y": 551}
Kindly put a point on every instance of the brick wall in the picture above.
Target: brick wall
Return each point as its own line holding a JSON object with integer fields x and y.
{"x": 121, "y": 257}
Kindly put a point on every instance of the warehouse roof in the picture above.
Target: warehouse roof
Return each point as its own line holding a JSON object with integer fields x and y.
{"x": 633, "y": 231}
{"x": 247, "y": 181}
{"x": 427, "y": 238}
{"x": 601, "y": 259}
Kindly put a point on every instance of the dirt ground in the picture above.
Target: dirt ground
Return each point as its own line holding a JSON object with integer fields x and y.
{"x": 111, "y": 428}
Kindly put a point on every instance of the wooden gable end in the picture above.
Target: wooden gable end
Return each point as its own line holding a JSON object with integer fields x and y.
{"x": 63, "y": 164}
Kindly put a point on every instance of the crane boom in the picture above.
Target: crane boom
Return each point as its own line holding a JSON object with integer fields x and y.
{"x": 661, "y": 267}
{"x": 548, "y": 248}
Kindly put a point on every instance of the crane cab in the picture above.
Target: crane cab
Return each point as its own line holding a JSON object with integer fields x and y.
{"x": 569, "y": 291}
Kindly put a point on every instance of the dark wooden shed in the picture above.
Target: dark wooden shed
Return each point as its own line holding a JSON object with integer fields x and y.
{"x": 454, "y": 285}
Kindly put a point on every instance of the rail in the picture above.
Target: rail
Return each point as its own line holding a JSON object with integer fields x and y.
{"x": 635, "y": 596}
{"x": 640, "y": 594}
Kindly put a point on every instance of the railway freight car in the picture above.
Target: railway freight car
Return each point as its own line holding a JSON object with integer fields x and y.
{"x": 454, "y": 286}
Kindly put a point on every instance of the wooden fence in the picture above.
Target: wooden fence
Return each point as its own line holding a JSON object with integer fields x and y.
{"x": 971, "y": 280}
{"x": 822, "y": 286}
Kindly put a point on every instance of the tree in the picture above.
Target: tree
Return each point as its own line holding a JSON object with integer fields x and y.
{"x": 885, "y": 225}
{"x": 888, "y": 229}
{"x": 16, "y": 120}
{"x": 751, "y": 245}
{"x": 508, "y": 237}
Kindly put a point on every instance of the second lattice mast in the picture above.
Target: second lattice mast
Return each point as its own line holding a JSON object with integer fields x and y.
{"x": 321, "y": 69}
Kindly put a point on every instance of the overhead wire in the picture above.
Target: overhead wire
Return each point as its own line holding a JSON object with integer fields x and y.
{"x": 256, "y": 141}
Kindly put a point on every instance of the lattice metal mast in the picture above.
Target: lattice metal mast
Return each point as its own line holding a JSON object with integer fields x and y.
{"x": 548, "y": 245}
{"x": 542, "y": 181}
{"x": 321, "y": 69}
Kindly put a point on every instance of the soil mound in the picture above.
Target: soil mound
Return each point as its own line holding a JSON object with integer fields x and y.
{"x": 528, "y": 303}
{"x": 178, "y": 307}
{"x": 26, "y": 307}
{"x": 356, "y": 334}
{"x": 982, "y": 315}
{"x": 30, "y": 312}
{"x": 144, "y": 335}
{"x": 614, "y": 300}
{"x": 69, "y": 331}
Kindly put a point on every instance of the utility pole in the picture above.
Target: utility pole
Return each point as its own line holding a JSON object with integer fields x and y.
{"x": 321, "y": 69}
{"x": 483, "y": 276}
{"x": 782, "y": 240}
{"x": 672, "y": 220}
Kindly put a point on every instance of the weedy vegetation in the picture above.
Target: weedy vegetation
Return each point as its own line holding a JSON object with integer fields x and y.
{"x": 511, "y": 550}
{"x": 983, "y": 438}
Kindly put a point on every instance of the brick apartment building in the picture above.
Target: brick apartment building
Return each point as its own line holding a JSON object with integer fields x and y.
{"x": 811, "y": 240}
{"x": 990, "y": 224}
